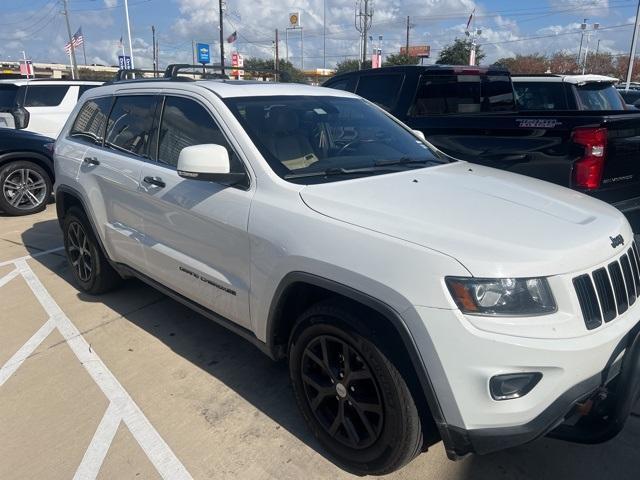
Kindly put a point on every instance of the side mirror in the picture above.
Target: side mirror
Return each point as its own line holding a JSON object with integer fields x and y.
{"x": 419, "y": 134}
{"x": 209, "y": 162}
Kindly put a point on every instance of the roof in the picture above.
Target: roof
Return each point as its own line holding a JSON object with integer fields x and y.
{"x": 47, "y": 81}
{"x": 228, "y": 88}
{"x": 442, "y": 69}
{"x": 573, "y": 79}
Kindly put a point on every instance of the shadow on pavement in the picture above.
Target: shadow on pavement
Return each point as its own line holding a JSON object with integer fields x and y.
{"x": 265, "y": 384}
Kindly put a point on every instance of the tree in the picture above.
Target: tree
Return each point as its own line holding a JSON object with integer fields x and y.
{"x": 346, "y": 66}
{"x": 400, "y": 59}
{"x": 260, "y": 67}
{"x": 457, "y": 53}
{"x": 563, "y": 63}
{"x": 532, "y": 63}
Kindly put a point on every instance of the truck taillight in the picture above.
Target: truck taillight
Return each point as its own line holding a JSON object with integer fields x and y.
{"x": 587, "y": 171}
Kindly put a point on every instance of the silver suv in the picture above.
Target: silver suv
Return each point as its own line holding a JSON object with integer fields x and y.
{"x": 415, "y": 297}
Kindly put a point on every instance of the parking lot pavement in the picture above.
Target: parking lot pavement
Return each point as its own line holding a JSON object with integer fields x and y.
{"x": 134, "y": 385}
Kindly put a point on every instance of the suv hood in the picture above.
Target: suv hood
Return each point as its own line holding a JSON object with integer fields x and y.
{"x": 496, "y": 223}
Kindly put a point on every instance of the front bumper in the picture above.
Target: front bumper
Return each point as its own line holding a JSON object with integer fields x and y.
{"x": 593, "y": 411}
{"x": 577, "y": 376}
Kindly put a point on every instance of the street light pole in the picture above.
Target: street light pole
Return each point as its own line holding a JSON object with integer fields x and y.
{"x": 632, "y": 56}
{"x": 126, "y": 14}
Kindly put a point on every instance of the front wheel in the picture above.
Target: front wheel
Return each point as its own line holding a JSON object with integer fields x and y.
{"x": 352, "y": 397}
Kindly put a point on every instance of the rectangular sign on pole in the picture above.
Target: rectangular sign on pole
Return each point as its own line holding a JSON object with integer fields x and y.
{"x": 26, "y": 68}
{"x": 237, "y": 60}
{"x": 204, "y": 52}
{"x": 124, "y": 61}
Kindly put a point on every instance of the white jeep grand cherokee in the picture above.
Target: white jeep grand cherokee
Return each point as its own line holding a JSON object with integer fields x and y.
{"x": 415, "y": 297}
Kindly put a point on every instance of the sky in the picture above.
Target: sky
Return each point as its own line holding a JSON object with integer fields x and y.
{"x": 509, "y": 27}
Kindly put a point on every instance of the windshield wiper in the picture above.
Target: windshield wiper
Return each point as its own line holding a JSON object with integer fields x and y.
{"x": 406, "y": 161}
{"x": 334, "y": 171}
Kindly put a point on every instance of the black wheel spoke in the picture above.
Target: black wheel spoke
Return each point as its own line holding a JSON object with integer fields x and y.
{"x": 342, "y": 392}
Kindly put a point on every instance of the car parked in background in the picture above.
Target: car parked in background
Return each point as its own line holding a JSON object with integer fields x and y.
{"x": 470, "y": 113}
{"x": 567, "y": 92}
{"x": 26, "y": 171}
{"x": 40, "y": 106}
{"x": 631, "y": 96}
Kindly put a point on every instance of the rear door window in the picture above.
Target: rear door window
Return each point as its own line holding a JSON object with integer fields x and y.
{"x": 130, "y": 125}
{"x": 442, "y": 94}
{"x": 599, "y": 96}
{"x": 89, "y": 125}
{"x": 380, "y": 89}
{"x": 45, "y": 95}
{"x": 540, "y": 95}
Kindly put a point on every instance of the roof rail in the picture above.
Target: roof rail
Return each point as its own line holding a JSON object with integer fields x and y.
{"x": 135, "y": 74}
{"x": 174, "y": 69}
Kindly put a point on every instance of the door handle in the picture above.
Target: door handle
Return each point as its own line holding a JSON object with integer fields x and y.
{"x": 91, "y": 161}
{"x": 155, "y": 181}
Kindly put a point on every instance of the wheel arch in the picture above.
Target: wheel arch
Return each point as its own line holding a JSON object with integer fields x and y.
{"x": 28, "y": 156}
{"x": 299, "y": 290}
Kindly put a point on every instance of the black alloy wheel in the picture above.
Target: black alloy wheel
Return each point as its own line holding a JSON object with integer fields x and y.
{"x": 342, "y": 392}
{"x": 79, "y": 251}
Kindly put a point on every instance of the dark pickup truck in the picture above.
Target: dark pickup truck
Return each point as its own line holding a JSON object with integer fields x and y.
{"x": 470, "y": 113}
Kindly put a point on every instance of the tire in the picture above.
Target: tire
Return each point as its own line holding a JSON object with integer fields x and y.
{"x": 89, "y": 265}
{"x": 25, "y": 188}
{"x": 372, "y": 389}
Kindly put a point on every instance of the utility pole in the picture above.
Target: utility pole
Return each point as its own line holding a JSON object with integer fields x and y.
{"x": 220, "y": 6}
{"x": 277, "y": 75}
{"x": 126, "y": 13}
{"x": 153, "y": 47}
{"x": 407, "y": 44}
{"x": 632, "y": 55}
{"x": 74, "y": 65}
{"x": 362, "y": 22}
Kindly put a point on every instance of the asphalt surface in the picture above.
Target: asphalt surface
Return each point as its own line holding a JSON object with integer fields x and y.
{"x": 134, "y": 385}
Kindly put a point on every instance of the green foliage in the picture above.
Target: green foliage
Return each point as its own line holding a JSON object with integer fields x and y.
{"x": 457, "y": 53}
{"x": 400, "y": 59}
{"x": 351, "y": 66}
{"x": 264, "y": 67}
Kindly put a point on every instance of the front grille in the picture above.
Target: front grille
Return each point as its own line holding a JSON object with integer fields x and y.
{"x": 608, "y": 292}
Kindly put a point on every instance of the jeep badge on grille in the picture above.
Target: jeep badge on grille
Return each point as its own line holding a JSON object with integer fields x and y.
{"x": 617, "y": 241}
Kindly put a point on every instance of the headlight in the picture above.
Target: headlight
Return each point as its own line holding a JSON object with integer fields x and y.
{"x": 502, "y": 296}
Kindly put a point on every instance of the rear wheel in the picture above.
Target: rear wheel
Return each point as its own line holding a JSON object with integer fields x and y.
{"x": 352, "y": 397}
{"x": 26, "y": 188}
{"x": 90, "y": 267}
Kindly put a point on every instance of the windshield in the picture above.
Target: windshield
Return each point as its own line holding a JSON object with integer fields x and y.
{"x": 312, "y": 139}
{"x": 599, "y": 96}
{"x": 8, "y": 94}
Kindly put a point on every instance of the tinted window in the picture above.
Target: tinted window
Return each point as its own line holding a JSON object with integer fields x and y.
{"x": 380, "y": 89}
{"x": 339, "y": 85}
{"x": 447, "y": 94}
{"x": 84, "y": 88}
{"x": 184, "y": 123}
{"x": 599, "y": 96}
{"x": 130, "y": 124}
{"x": 8, "y": 95}
{"x": 90, "y": 123}
{"x": 540, "y": 95}
{"x": 442, "y": 94}
{"x": 45, "y": 95}
{"x": 311, "y": 139}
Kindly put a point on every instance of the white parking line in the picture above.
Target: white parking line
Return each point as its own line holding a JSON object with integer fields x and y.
{"x": 8, "y": 277}
{"x": 97, "y": 451}
{"x": 121, "y": 405}
{"x": 27, "y": 257}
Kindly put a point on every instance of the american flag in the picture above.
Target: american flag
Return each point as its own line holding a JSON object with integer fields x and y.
{"x": 77, "y": 39}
